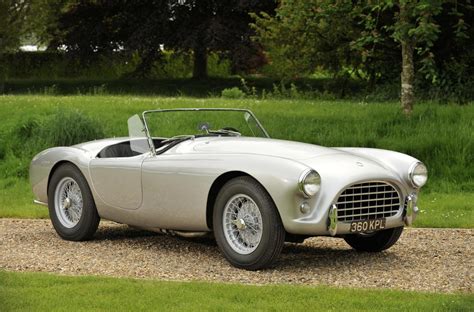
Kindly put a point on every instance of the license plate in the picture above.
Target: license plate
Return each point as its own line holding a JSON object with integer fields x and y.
{"x": 367, "y": 225}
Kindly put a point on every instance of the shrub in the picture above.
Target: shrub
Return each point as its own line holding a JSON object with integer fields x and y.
{"x": 68, "y": 127}
{"x": 249, "y": 91}
{"x": 62, "y": 128}
{"x": 232, "y": 93}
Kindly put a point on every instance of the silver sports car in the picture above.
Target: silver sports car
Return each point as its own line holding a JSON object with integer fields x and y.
{"x": 192, "y": 171}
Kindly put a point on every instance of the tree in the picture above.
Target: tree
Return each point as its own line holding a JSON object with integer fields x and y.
{"x": 359, "y": 37}
{"x": 99, "y": 26}
{"x": 305, "y": 35}
{"x": 24, "y": 21}
{"x": 414, "y": 28}
{"x": 17, "y": 21}
{"x": 88, "y": 29}
{"x": 220, "y": 26}
{"x": 13, "y": 17}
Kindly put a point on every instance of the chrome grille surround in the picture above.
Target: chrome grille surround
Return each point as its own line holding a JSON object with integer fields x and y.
{"x": 368, "y": 201}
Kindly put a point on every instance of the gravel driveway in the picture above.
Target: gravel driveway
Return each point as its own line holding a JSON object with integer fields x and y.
{"x": 439, "y": 260}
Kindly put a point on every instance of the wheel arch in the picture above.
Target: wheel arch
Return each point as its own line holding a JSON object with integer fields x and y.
{"x": 217, "y": 185}
{"x": 56, "y": 166}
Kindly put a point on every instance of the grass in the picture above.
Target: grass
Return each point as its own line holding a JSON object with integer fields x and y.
{"x": 46, "y": 292}
{"x": 453, "y": 210}
{"x": 439, "y": 135}
{"x": 16, "y": 200}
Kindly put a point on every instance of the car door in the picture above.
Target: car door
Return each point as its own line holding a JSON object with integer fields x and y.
{"x": 175, "y": 189}
{"x": 118, "y": 181}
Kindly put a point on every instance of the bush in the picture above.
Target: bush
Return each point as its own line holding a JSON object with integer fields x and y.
{"x": 62, "y": 128}
{"x": 66, "y": 128}
{"x": 232, "y": 93}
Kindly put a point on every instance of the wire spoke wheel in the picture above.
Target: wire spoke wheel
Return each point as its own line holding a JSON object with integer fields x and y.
{"x": 246, "y": 224}
{"x": 242, "y": 222}
{"x": 71, "y": 205}
{"x": 68, "y": 202}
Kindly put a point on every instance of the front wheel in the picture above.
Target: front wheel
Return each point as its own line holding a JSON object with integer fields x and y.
{"x": 247, "y": 226}
{"x": 71, "y": 205}
{"x": 374, "y": 242}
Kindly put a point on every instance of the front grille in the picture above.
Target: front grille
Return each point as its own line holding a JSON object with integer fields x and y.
{"x": 370, "y": 200}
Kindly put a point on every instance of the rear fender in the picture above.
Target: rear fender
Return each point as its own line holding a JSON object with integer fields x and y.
{"x": 43, "y": 165}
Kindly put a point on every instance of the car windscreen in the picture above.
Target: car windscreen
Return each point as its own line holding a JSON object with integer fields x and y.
{"x": 172, "y": 123}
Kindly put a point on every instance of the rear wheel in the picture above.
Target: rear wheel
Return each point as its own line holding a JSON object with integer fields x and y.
{"x": 247, "y": 226}
{"x": 71, "y": 205}
{"x": 374, "y": 242}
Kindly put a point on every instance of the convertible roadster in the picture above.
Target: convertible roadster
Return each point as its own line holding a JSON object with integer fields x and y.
{"x": 217, "y": 170}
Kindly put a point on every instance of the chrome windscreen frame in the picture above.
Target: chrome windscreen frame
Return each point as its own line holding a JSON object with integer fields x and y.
{"x": 150, "y": 139}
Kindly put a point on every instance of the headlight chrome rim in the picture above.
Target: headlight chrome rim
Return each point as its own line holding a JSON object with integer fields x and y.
{"x": 302, "y": 183}
{"x": 412, "y": 174}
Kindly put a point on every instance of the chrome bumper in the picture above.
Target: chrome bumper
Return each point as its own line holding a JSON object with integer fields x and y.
{"x": 411, "y": 210}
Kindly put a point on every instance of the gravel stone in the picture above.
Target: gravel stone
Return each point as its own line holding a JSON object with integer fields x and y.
{"x": 434, "y": 260}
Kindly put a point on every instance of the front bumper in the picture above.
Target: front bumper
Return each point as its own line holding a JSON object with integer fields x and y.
{"x": 411, "y": 209}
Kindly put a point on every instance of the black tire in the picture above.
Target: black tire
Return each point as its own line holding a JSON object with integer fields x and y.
{"x": 89, "y": 218}
{"x": 376, "y": 242}
{"x": 273, "y": 234}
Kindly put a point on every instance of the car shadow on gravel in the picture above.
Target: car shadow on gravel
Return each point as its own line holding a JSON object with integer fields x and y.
{"x": 124, "y": 232}
{"x": 303, "y": 256}
{"x": 121, "y": 232}
{"x": 293, "y": 256}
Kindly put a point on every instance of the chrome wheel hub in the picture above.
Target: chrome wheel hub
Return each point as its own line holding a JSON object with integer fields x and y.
{"x": 239, "y": 223}
{"x": 242, "y": 222}
{"x": 68, "y": 202}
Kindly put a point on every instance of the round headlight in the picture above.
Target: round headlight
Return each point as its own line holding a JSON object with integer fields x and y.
{"x": 309, "y": 183}
{"x": 418, "y": 174}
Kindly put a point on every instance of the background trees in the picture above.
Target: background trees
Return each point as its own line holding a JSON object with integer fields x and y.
{"x": 12, "y": 23}
{"x": 372, "y": 40}
{"x": 220, "y": 26}
{"x": 18, "y": 21}
{"x": 146, "y": 26}
{"x": 424, "y": 45}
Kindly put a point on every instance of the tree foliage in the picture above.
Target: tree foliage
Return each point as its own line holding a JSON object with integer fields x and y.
{"x": 220, "y": 26}
{"x": 306, "y": 35}
{"x": 367, "y": 38}
{"x": 190, "y": 26}
{"x": 12, "y": 23}
{"x": 18, "y": 21}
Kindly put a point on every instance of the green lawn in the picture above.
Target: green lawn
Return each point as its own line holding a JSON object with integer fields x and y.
{"x": 46, "y": 292}
{"x": 439, "y": 135}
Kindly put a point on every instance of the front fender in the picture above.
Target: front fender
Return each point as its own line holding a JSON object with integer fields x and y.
{"x": 398, "y": 163}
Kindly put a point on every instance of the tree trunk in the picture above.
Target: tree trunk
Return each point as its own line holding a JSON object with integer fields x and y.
{"x": 200, "y": 63}
{"x": 408, "y": 69}
{"x": 408, "y": 77}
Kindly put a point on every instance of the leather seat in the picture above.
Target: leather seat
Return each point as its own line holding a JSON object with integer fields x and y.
{"x": 122, "y": 149}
